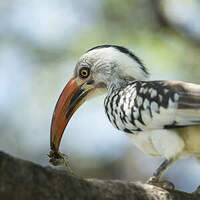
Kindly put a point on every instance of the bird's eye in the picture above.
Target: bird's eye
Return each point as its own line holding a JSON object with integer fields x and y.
{"x": 84, "y": 72}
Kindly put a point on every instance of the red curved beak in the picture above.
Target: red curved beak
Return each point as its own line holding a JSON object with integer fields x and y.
{"x": 72, "y": 96}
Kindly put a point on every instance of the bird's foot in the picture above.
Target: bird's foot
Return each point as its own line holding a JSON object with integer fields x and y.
{"x": 163, "y": 184}
{"x": 197, "y": 191}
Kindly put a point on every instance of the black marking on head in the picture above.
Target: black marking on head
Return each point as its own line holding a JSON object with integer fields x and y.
{"x": 125, "y": 51}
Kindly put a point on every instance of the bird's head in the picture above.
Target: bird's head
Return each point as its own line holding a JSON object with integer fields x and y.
{"x": 96, "y": 71}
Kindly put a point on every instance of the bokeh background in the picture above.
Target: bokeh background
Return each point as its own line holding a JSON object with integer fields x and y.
{"x": 40, "y": 42}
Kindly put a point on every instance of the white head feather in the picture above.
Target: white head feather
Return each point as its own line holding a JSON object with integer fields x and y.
{"x": 111, "y": 64}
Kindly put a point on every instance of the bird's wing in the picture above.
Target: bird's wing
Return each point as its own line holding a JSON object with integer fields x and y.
{"x": 170, "y": 104}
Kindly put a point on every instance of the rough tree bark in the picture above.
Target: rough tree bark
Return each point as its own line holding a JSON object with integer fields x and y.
{"x": 24, "y": 180}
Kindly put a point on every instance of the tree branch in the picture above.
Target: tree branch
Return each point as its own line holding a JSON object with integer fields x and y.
{"x": 24, "y": 180}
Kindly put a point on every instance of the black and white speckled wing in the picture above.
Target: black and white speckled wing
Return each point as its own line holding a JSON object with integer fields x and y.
{"x": 188, "y": 103}
{"x": 171, "y": 104}
{"x": 150, "y": 105}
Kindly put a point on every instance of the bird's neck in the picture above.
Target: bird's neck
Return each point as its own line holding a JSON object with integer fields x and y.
{"x": 119, "y": 84}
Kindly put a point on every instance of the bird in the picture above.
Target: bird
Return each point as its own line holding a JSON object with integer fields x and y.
{"x": 160, "y": 117}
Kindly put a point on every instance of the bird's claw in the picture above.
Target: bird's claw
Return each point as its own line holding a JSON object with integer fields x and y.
{"x": 163, "y": 184}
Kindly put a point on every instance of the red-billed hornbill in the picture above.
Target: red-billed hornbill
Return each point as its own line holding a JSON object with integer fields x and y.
{"x": 162, "y": 118}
